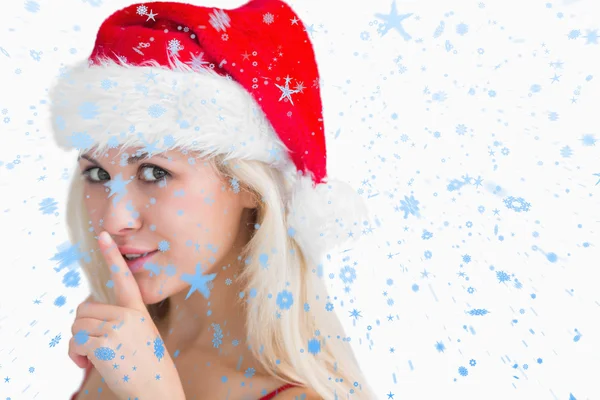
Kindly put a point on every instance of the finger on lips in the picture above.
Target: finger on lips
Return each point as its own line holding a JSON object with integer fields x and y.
{"x": 127, "y": 292}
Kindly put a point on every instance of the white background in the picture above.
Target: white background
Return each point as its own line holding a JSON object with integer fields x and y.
{"x": 385, "y": 99}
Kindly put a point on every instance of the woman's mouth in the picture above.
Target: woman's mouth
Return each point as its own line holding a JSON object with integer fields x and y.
{"x": 136, "y": 262}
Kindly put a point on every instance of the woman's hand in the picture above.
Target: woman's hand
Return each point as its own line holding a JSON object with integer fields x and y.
{"x": 121, "y": 341}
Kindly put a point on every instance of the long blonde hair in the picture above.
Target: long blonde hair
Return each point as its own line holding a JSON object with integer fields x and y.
{"x": 279, "y": 342}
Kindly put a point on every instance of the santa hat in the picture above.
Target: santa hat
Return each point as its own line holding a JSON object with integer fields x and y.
{"x": 243, "y": 83}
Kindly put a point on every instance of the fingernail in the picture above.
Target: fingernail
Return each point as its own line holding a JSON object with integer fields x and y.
{"x": 105, "y": 237}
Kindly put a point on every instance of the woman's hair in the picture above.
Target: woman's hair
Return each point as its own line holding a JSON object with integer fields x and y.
{"x": 326, "y": 363}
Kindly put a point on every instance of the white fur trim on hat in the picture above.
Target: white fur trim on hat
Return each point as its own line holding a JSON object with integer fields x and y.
{"x": 324, "y": 217}
{"x": 110, "y": 104}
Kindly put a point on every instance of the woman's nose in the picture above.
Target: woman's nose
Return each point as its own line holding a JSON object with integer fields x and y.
{"x": 120, "y": 214}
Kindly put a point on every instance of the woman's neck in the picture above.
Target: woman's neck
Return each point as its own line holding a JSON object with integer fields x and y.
{"x": 195, "y": 322}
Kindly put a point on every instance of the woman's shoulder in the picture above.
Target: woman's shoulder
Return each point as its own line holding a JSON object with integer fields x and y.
{"x": 298, "y": 392}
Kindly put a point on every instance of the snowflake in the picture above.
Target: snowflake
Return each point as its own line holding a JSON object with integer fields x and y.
{"x": 104, "y": 353}
{"x": 574, "y": 34}
{"x": 589, "y": 139}
{"x": 159, "y": 348}
{"x": 285, "y": 300}
{"x": 72, "y": 279}
{"x": 55, "y": 340}
{"x": 502, "y": 276}
{"x": 462, "y": 29}
{"x": 268, "y": 18}
{"x": 68, "y": 255}
{"x": 163, "y": 245}
{"x": 439, "y": 346}
{"x": 60, "y": 301}
{"x": 217, "y": 336}
{"x": 355, "y": 314}
{"x": 142, "y": 10}
{"x": 48, "y": 206}
{"x": 347, "y": 274}
{"x": 426, "y": 235}
{"x": 439, "y": 97}
{"x": 517, "y": 204}
{"x": 35, "y": 55}
{"x": 156, "y": 110}
{"x": 409, "y": 206}
{"x": 314, "y": 346}
{"x": 439, "y": 30}
{"x": 174, "y": 46}
{"x": 220, "y": 20}
{"x": 461, "y": 129}
{"x": 477, "y": 311}
{"x": 81, "y": 337}
{"x": 81, "y": 141}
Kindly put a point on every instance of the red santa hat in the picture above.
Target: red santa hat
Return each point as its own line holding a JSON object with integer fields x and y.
{"x": 243, "y": 83}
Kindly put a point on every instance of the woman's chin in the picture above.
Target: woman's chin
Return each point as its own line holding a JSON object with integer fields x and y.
{"x": 150, "y": 288}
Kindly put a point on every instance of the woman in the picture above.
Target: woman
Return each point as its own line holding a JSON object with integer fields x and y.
{"x": 202, "y": 203}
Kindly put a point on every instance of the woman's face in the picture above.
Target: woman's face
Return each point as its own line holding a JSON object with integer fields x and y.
{"x": 170, "y": 202}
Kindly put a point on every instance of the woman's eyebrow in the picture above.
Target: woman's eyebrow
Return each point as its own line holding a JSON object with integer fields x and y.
{"x": 131, "y": 160}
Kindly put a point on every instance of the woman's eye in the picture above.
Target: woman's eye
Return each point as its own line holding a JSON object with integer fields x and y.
{"x": 148, "y": 173}
{"x": 96, "y": 174}
{"x": 152, "y": 173}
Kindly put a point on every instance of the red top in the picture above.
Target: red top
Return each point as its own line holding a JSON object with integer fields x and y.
{"x": 268, "y": 396}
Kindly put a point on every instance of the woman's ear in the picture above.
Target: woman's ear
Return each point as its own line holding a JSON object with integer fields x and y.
{"x": 249, "y": 199}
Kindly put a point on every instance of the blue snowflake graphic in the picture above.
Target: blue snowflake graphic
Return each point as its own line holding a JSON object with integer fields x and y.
{"x": 81, "y": 337}
{"x": 566, "y": 152}
{"x": 502, "y": 276}
{"x": 517, "y": 204}
{"x": 55, "y": 340}
{"x": 81, "y": 141}
{"x": 347, "y": 274}
{"x": 409, "y": 206}
{"x": 159, "y": 348}
{"x": 477, "y": 311}
{"x": 217, "y": 336}
{"x": 314, "y": 346}
{"x": 88, "y": 110}
{"x": 156, "y": 110}
{"x": 60, "y": 301}
{"x": 72, "y": 279}
{"x": 48, "y": 206}
{"x": 285, "y": 300}
{"x": 104, "y": 353}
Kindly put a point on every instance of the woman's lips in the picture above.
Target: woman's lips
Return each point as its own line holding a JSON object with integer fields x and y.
{"x": 138, "y": 264}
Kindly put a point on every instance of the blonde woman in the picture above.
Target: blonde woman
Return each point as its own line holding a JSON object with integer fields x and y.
{"x": 202, "y": 200}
